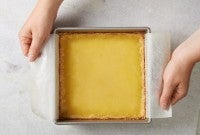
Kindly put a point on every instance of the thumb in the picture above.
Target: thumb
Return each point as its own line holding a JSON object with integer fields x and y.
{"x": 35, "y": 47}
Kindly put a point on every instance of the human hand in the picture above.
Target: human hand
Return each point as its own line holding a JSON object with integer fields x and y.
{"x": 177, "y": 73}
{"x": 37, "y": 28}
{"x": 176, "y": 78}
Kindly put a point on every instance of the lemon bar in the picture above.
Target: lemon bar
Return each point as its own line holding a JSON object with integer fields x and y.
{"x": 101, "y": 76}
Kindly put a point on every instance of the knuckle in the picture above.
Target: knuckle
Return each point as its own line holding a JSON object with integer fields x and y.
{"x": 164, "y": 98}
{"x": 22, "y": 31}
{"x": 20, "y": 34}
{"x": 25, "y": 40}
{"x": 164, "y": 102}
{"x": 24, "y": 36}
{"x": 181, "y": 93}
{"x": 184, "y": 94}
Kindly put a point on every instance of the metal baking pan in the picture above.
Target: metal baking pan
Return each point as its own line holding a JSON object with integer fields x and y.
{"x": 85, "y": 30}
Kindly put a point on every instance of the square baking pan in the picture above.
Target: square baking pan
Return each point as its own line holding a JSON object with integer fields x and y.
{"x": 59, "y": 121}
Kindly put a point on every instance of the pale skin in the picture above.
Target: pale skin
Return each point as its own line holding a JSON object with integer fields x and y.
{"x": 176, "y": 75}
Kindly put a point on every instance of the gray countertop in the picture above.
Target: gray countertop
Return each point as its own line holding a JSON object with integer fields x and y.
{"x": 179, "y": 17}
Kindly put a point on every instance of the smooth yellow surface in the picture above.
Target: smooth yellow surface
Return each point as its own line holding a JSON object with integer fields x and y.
{"x": 102, "y": 76}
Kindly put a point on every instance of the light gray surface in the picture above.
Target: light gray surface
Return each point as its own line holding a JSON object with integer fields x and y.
{"x": 180, "y": 17}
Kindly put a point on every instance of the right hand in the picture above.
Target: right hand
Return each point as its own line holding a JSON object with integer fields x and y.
{"x": 177, "y": 73}
{"x": 176, "y": 79}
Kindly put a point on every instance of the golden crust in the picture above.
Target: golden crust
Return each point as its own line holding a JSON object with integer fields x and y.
{"x": 61, "y": 81}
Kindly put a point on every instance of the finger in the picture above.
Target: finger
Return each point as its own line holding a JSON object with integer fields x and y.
{"x": 35, "y": 48}
{"x": 25, "y": 44}
{"x": 166, "y": 94}
{"x": 25, "y": 38}
{"x": 178, "y": 94}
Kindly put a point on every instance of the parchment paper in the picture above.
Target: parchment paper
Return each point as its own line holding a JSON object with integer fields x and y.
{"x": 158, "y": 52}
{"x": 43, "y": 96}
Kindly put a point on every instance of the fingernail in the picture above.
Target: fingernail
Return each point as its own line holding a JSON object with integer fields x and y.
{"x": 31, "y": 57}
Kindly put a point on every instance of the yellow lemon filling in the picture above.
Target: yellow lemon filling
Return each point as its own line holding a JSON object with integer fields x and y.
{"x": 101, "y": 76}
